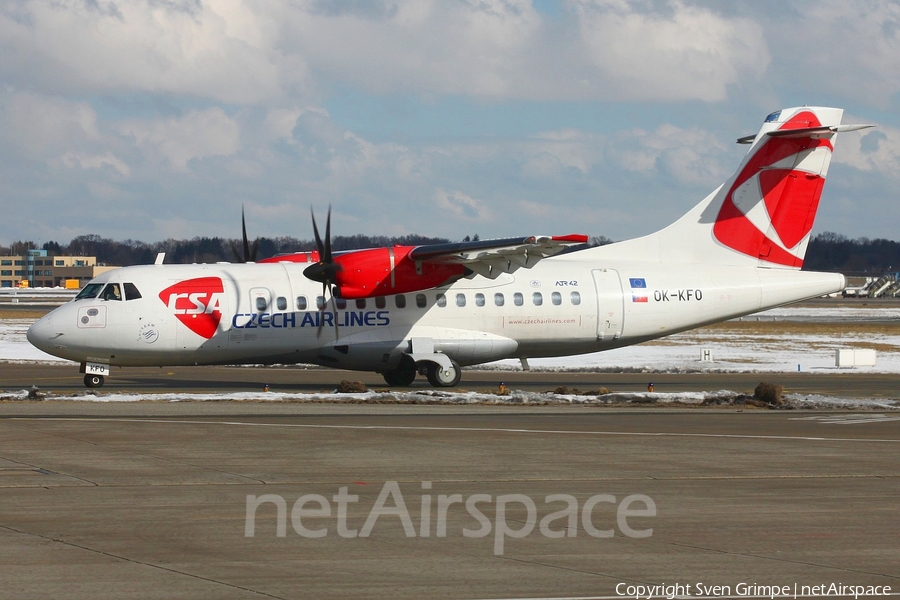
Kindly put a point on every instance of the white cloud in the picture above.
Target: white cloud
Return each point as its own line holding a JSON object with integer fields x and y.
{"x": 680, "y": 52}
{"x": 278, "y": 53}
{"x": 831, "y": 47}
{"x": 552, "y": 153}
{"x": 198, "y": 134}
{"x": 95, "y": 161}
{"x": 223, "y": 50}
{"x": 155, "y": 102}
{"x": 872, "y": 151}
{"x": 460, "y": 204}
{"x": 693, "y": 157}
{"x": 44, "y": 127}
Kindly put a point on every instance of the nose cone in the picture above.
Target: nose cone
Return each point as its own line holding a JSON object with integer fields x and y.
{"x": 42, "y": 336}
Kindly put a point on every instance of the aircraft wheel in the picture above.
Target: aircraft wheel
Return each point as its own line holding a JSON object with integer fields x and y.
{"x": 440, "y": 377}
{"x": 403, "y": 375}
{"x": 94, "y": 381}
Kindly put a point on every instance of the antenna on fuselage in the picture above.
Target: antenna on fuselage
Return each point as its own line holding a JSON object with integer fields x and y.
{"x": 160, "y": 258}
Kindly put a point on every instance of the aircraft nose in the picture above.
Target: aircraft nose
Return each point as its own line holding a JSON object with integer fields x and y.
{"x": 41, "y": 333}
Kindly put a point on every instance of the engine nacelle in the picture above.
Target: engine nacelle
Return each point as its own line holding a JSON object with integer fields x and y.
{"x": 386, "y": 271}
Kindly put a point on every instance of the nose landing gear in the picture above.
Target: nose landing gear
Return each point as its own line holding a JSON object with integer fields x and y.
{"x": 94, "y": 381}
{"x": 95, "y": 373}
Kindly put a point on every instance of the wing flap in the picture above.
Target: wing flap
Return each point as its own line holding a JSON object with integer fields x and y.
{"x": 491, "y": 258}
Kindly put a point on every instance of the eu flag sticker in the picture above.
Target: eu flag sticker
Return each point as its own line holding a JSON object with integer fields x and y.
{"x": 637, "y": 282}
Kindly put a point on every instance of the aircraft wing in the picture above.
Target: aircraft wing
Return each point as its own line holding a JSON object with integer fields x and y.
{"x": 490, "y": 258}
{"x": 372, "y": 272}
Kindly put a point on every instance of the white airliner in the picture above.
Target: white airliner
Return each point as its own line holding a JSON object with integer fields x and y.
{"x": 430, "y": 309}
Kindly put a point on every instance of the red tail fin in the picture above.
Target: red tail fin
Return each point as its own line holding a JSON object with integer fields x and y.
{"x": 769, "y": 209}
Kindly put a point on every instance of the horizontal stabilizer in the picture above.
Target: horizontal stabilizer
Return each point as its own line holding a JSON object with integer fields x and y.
{"x": 806, "y": 132}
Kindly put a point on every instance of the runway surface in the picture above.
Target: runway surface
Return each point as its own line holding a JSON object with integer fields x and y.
{"x": 64, "y": 379}
{"x": 150, "y": 500}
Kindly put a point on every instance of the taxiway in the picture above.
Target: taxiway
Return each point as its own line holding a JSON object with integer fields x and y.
{"x": 149, "y": 500}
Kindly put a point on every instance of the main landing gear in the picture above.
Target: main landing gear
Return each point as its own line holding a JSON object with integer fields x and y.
{"x": 439, "y": 376}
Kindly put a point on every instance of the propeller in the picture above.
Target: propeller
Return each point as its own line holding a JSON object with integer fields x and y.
{"x": 325, "y": 271}
{"x": 249, "y": 254}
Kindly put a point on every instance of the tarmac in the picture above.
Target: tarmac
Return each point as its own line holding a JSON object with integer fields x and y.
{"x": 63, "y": 379}
{"x": 203, "y": 499}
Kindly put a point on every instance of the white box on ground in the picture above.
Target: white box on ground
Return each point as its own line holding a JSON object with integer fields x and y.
{"x": 854, "y": 357}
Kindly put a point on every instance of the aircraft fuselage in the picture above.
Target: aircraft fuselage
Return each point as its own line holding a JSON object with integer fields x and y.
{"x": 268, "y": 313}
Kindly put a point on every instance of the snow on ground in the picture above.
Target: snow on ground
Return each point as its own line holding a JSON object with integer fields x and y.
{"x": 15, "y": 348}
{"x": 515, "y": 397}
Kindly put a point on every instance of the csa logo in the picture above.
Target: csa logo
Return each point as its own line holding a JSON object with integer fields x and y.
{"x": 770, "y": 208}
{"x": 197, "y": 303}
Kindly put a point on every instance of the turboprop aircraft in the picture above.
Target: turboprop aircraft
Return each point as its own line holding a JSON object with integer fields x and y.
{"x": 404, "y": 311}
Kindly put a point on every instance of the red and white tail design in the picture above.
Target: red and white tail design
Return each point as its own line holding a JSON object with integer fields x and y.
{"x": 764, "y": 213}
{"x": 769, "y": 207}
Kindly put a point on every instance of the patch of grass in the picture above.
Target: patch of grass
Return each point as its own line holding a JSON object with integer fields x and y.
{"x": 22, "y": 313}
{"x": 802, "y": 328}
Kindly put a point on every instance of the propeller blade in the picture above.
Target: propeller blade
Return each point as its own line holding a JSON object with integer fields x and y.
{"x": 328, "y": 236}
{"x": 321, "y": 308}
{"x": 327, "y": 286}
{"x": 325, "y": 271}
{"x": 244, "y": 236}
{"x": 337, "y": 334}
{"x": 319, "y": 245}
{"x": 249, "y": 252}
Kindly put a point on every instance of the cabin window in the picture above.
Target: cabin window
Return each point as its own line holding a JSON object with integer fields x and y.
{"x": 556, "y": 298}
{"x": 518, "y": 299}
{"x": 90, "y": 291}
{"x": 537, "y": 299}
{"x": 499, "y": 299}
{"x": 111, "y": 292}
{"x": 575, "y": 297}
{"x": 441, "y": 300}
{"x": 301, "y": 302}
{"x": 479, "y": 299}
{"x": 320, "y": 302}
{"x": 341, "y": 303}
{"x": 460, "y": 300}
{"x": 261, "y": 303}
{"x": 131, "y": 291}
{"x": 281, "y": 303}
{"x": 421, "y": 302}
{"x": 400, "y": 301}
{"x": 360, "y": 303}
{"x": 380, "y": 302}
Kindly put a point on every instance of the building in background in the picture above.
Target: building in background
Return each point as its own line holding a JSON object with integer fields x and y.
{"x": 37, "y": 268}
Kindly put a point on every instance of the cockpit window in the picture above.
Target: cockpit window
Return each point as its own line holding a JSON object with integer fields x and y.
{"x": 89, "y": 291}
{"x": 111, "y": 292}
{"x": 131, "y": 292}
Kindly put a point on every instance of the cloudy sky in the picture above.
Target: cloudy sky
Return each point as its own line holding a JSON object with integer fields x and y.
{"x": 150, "y": 119}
